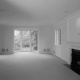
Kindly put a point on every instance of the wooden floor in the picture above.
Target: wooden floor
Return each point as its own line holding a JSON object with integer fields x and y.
{"x": 34, "y": 66}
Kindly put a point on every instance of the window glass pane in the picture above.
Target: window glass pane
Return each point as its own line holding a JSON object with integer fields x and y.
{"x": 25, "y": 39}
{"x": 34, "y": 40}
{"x": 17, "y": 40}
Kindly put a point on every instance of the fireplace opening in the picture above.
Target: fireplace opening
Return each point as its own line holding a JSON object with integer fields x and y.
{"x": 75, "y": 60}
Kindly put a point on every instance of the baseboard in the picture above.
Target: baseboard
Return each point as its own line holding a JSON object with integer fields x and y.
{"x": 48, "y": 53}
{"x": 5, "y": 53}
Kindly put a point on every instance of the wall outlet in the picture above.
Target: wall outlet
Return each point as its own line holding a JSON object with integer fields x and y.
{"x": 48, "y": 50}
{"x": 3, "y": 50}
{"x": 53, "y": 51}
{"x": 44, "y": 50}
{"x": 7, "y": 50}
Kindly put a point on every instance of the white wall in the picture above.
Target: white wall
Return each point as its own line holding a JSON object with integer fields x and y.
{"x": 64, "y": 47}
{"x": 0, "y": 38}
{"x": 74, "y": 28}
{"x": 70, "y": 38}
{"x": 45, "y": 37}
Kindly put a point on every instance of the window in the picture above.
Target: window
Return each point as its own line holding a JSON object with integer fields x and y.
{"x": 25, "y": 40}
{"x": 58, "y": 36}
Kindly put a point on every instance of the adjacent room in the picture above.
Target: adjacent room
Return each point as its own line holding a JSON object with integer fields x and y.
{"x": 39, "y": 40}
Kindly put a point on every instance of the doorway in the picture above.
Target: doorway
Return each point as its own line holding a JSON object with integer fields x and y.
{"x": 25, "y": 40}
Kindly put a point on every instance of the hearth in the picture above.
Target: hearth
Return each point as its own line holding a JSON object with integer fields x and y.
{"x": 75, "y": 61}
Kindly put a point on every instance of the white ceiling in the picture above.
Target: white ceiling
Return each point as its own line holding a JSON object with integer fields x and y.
{"x": 36, "y": 11}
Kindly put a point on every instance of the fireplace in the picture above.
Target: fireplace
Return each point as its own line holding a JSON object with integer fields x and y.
{"x": 75, "y": 60}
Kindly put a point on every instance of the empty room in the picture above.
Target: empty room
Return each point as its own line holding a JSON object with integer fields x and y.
{"x": 39, "y": 40}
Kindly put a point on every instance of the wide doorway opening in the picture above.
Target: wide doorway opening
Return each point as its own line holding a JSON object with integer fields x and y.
{"x": 25, "y": 40}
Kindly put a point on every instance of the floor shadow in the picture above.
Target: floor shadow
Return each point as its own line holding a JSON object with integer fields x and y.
{"x": 67, "y": 65}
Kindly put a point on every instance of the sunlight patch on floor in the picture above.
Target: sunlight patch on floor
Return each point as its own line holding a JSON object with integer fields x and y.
{"x": 24, "y": 56}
